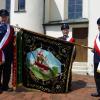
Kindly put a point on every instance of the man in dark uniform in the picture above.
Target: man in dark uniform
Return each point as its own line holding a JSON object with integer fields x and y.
{"x": 69, "y": 38}
{"x": 6, "y": 50}
{"x": 96, "y": 52}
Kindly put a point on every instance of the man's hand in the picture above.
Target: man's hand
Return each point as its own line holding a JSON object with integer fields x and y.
{"x": 92, "y": 50}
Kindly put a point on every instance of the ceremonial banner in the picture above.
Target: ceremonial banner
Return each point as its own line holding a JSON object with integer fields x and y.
{"x": 46, "y": 62}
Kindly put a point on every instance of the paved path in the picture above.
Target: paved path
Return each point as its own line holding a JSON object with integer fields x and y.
{"x": 82, "y": 87}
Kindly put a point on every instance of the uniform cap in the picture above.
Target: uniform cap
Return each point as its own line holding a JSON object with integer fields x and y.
{"x": 64, "y": 26}
{"x": 4, "y": 12}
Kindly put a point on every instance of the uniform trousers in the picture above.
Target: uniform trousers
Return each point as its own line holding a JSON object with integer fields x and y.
{"x": 5, "y": 72}
{"x": 97, "y": 77}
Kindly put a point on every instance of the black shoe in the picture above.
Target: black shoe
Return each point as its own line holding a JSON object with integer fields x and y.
{"x": 7, "y": 89}
{"x": 1, "y": 90}
{"x": 10, "y": 89}
{"x": 95, "y": 94}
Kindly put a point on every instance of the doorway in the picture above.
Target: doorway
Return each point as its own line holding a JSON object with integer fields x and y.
{"x": 81, "y": 37}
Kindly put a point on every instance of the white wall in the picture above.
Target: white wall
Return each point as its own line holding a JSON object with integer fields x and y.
{"x": 85, "y": 9}
{"x": 54, "y": 10}
{"x": 32, "y": 19}
{"x": 2, "y": 4}
{"x": 94, "y": 14}
{"x": 58, "y": 9}
{"x": 47, "y": 11}
{"x": 65, "y": 9}
{"x": 55, "y": 31}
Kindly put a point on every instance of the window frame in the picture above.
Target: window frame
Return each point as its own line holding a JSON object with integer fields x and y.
{"x": 7, "y": 5}
{"x": 18, "y": 8}
{"x": 76, "y": 11}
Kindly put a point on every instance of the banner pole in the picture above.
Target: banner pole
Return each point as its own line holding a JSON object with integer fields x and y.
{"x": 52, "y": 37}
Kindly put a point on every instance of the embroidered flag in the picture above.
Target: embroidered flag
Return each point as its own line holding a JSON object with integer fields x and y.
{"x": 46, "y": 62}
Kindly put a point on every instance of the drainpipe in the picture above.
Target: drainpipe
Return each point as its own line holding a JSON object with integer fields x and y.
{"x": 44, "y": 17}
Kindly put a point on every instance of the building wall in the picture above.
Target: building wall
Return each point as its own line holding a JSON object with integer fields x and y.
{"x": 47, "y": 11}
{"x": 54, "y": 10}
{"x": 2, "y": 4}
{"x": 58, "y": 10}
{"x": 55, "y": 31}
{"x": 32, "y": 18}
{"x": 85, "y": 8}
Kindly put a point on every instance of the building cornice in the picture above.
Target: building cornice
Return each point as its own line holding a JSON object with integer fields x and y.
{"x": 69, "y": 21}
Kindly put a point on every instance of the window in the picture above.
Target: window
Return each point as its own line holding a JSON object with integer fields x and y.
{"x": 8, "y": 5}
{"x": 74, "y": 9}
{"x": 19, "y": 5}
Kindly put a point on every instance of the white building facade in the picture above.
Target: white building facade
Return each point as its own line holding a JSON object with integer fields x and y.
{"x": 46, "y": 17}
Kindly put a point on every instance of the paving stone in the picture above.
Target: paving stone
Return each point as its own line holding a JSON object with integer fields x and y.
{"x": 82, "y": 87}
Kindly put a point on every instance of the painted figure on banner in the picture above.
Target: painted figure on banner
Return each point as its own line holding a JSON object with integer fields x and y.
{"x": 6, "y": 50}
{"x": 96, "y": 52}
{"x": 43, "y": 64}
{"x": 68, "y": 37}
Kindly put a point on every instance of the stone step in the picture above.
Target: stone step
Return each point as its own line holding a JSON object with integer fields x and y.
{"x": 80, "y": 68}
